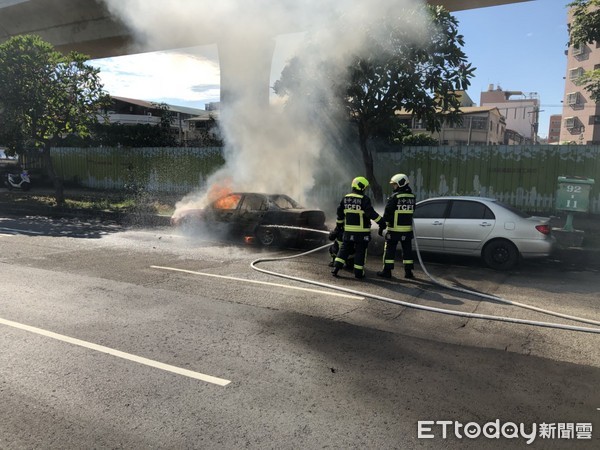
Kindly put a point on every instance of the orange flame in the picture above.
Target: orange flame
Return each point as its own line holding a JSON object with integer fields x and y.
{"x": 219, "y": 190}
{"x": 220, "y": 194}
{"x": 228, "y": 202}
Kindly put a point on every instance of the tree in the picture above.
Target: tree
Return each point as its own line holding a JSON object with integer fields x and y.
{"x": 397, "y": 72}
{"x": 585, "y": 29}
{"x": 45, "y": 96}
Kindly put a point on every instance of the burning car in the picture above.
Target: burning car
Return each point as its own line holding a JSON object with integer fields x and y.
{"x": 268, "y": 219}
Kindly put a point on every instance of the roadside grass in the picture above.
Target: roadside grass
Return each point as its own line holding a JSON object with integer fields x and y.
{"x": 100, "y": 201}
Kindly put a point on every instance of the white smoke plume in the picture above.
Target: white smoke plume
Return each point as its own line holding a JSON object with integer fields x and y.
{"x": 266, "y": 150}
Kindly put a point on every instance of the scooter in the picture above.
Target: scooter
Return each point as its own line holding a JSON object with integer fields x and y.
{"x": 18, "y": 181}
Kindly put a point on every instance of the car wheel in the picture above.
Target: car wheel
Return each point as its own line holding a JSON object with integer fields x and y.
{"x": 189, "y": 225}
{"x": 500, "y": 254}
{"x": 267, "y": 237}
{"x": 25, "y": 186}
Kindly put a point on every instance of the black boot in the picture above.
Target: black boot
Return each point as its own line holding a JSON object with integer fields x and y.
{"x": 336, "y": 268}
{"x": 408, "y": 274}
{"x": 385, "y": 273}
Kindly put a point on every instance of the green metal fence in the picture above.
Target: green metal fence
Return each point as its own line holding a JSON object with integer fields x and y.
{"x": 173, "y": 170}
{"x": 524, "y": 176}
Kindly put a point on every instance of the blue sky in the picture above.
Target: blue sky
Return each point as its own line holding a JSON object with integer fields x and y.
{"x": 519, "y": 47}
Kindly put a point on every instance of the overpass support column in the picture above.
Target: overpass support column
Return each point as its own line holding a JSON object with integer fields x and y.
{"x": 245, "y": 63}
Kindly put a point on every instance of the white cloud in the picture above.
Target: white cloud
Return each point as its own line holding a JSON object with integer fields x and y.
{"x": 160, "y": 75}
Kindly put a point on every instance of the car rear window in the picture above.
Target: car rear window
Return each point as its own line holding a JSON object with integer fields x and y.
{"x": 284, "y": 202}
{"x": 430, "y": 210}
{"x": 465, "y": 209}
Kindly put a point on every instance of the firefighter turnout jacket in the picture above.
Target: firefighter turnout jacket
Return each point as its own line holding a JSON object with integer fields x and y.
{"x": 355, "y": 213}
{"x": 399, "y": 210}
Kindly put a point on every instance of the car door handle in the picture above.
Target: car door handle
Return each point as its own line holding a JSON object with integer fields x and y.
{"x": 437, "y": 222}
{"x": 485, "y": 224}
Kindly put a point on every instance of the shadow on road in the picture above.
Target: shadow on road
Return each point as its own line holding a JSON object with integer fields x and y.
{"x": 85, "y": 228}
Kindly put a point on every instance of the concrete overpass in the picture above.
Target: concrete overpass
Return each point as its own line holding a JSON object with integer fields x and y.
{"x": 89, "y": 27}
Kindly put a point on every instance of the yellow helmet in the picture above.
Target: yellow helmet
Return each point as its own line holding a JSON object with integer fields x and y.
{"x": 360, "y": 183}
{"x": 400, "y": 179}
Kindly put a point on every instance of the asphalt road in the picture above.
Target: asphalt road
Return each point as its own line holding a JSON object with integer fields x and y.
{"x": 116, "y": 337}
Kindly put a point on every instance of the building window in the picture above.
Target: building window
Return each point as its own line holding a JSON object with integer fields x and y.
{"x": 595, "y": 120}
{"x": 418, "y": 125}
{"x": 479, "y": 123}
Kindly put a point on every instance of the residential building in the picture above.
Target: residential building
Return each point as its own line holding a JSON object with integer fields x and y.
{"x": 203, "y": 129}
{"x": 521, "y": 114}
{"x": 481, "y": 125}
{"x": 554, "y": 129}
{"x": 129, "y": 111}
{"x": 581, "y": 115}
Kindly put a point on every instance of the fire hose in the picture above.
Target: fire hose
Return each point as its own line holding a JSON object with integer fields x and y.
{"x": 437, "y": 282}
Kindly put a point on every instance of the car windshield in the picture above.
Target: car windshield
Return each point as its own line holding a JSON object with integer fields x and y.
{"x": 3, "y": 155}
{"x": 284, "y": 202}
{"x": 228, "y": 202}
{"x": 512, "y": 209}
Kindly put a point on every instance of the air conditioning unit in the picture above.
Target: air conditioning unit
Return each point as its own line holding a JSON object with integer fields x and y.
{"x": 570, "y": 122}
{"x": 575, "y": 73}
{"x": 573, "y": 98}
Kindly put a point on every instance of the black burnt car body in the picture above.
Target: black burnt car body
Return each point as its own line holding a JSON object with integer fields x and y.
{"x": 268, "y": 219}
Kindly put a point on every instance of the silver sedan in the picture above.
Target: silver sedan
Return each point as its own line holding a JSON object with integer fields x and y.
{"x": 483, "y": 227}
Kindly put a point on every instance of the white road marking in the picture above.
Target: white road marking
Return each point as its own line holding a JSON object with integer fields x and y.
{"x": 317, "y": 291}
{"x": 118, "y": 353}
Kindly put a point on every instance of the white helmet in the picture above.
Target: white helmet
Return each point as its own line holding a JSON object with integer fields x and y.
{"x": 400, "y": 179}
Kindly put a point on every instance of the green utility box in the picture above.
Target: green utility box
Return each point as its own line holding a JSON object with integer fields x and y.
{"x": 574, "y": 194}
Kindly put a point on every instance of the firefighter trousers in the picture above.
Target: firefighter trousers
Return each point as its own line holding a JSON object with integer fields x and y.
{"x": 390, "y": 248}
{"x": 356, "y": 244}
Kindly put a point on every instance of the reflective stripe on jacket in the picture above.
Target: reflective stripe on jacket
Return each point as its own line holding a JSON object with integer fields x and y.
{"x": 355, "y": 212}
{"x": 399, "y": 211}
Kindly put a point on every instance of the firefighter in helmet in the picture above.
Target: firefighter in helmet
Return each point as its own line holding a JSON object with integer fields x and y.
{"x": 354, "y": 215}
{"x": 398, "y": 217}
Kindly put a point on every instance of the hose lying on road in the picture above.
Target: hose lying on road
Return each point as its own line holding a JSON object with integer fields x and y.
{"x": 254, "y": 263}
